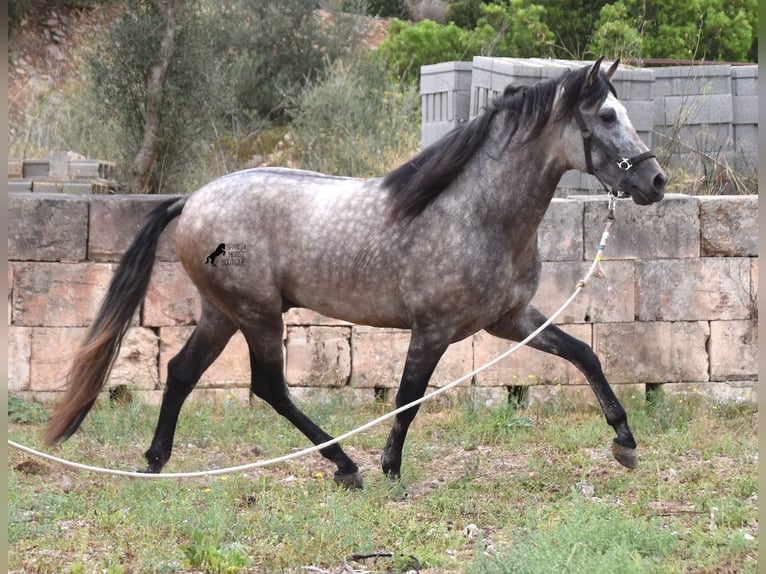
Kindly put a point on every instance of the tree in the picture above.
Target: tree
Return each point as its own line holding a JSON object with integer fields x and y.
{"x": 146, "y": 156}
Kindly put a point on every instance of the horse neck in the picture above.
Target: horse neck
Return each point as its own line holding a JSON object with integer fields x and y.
{"x": 518, "y": 182}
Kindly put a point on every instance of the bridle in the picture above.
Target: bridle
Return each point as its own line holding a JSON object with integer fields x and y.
{"x": 623, "y": 163}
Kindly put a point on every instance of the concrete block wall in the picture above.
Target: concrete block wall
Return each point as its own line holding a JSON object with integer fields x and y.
{"x": 677, "y": 306}
{"x": 711, "y": 109}
{"x": 61, "y": 172}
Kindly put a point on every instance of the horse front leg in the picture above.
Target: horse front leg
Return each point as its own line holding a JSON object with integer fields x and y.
{"x": 555, "y": 341}
{"x": 422, "y": 357}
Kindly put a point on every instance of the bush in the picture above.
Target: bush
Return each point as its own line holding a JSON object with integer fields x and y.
{"x": 276, "y": 46}
{"x": 514, "y": 28}
{"x": 194, "y": 94}
{"x": 409, "y": 46}
{"x": 357, "y": 121}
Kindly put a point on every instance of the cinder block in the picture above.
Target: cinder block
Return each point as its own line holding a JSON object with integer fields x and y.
{"x": 115, "y": 220}
{"x": 699, "y": 109}
{"x": 733, "y": 350}
{"x": 171, "y": 299}
{"x": 47, "y": 187}
{"x": 379, "y": 356}
{"x": 652, "y": 352}
{"x": 35, "y": 168}
{"x": 745, "y": 109}
{"x": 604, "y": 299}
{"x": 669, "y": 228}
{"x": 688, "y": 80}
{"x": 526, "y": 366}
{"x": 19, "y": 186}
{"x": 559, "y": 237}
{"x": 729, "y": 225}
{"x": 54, "y": 349}
{"x": 19, "y": 355}
{"x": 231, "y": 369}
{"x": 711, "y": 139}
{"x": 318, "y": 356}
{"x": 693, "y": 289}
{"x": 744, "y": 80}
{"x": 641, "y": 114}
{"x": 47, "y": 227}
{"x": 15, "y": 169}
{"x": 746, "y": 140}
{"x": 77, "y": 188}
{"x": 58, "y": 295}
{"x": 58, "y": 162}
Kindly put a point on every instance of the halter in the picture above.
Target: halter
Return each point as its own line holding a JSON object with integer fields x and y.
{"x": 623, "y": 163}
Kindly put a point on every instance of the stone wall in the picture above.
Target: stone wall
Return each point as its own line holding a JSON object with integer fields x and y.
{"x": 677, "y": 308}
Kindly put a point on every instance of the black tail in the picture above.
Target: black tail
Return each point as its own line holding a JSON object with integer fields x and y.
{"x": 97, "y": 354}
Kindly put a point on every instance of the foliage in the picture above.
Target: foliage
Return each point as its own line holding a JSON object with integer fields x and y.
{"x": 700, "y": 29}
{"x": 409, "y": 46}
{"x": 21, "y": 411}
{"x": 581, "y": 535}
{"x": 356, "y": 121}
{"x": 514, "y": 28}
{"x": 275, "y": 46}
{"x": 616, "y": 35}
{"x": 194, "y": 94}
{"x": 510, "y": 28}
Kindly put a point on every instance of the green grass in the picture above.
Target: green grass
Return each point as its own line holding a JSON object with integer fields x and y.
{"x": 538, "y": 486}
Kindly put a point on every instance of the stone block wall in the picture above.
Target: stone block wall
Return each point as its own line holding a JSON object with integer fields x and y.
{"x": 677, "y": 307}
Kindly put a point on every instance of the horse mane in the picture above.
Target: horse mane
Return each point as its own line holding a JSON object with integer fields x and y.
{"x": 416, "y": 183}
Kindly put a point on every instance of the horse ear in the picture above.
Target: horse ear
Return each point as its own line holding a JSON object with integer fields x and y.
{"x": 593, "y": 74}
{"x": 612, "y": 69}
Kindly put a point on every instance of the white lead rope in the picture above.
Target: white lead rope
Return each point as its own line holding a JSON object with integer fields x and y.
{"x": 594, "y": 269}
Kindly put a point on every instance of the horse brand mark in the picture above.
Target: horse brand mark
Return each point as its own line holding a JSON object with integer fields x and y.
{"x": 230, "y": 253}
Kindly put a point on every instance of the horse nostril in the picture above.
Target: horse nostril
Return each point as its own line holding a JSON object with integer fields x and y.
{"x": 659, "y": 181}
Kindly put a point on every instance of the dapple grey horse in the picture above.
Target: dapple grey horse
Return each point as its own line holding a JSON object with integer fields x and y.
{"x": 445, "y": 246}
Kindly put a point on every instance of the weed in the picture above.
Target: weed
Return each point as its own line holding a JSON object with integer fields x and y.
{"x": 22, "y": 411}
{"x": 538, "y": 485}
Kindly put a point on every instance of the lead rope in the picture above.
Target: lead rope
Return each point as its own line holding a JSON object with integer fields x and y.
{"x": 595, "y": 269}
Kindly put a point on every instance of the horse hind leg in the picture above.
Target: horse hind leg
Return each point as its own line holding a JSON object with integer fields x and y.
{"x": 264, "y": 339}
{"x": 555, "y": 341}
{"x": 205, "y": 344}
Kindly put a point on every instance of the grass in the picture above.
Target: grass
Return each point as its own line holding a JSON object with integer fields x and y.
{"x": 483, "y": 491}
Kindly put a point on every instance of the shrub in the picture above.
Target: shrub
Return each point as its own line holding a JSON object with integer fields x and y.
{"x": 357, "y": 121}
{"x": 194, "y": 95}
{"x": 276, "y": 46}
{"x": 409, "y": 46}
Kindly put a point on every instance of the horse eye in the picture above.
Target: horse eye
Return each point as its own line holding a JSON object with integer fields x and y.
{"x": 608, "y": 116}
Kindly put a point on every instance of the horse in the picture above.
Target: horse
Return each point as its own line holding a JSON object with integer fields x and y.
{"x": 444, "y": 245}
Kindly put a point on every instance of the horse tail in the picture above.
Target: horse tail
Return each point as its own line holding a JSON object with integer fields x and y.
{"x": 97, "y": 354}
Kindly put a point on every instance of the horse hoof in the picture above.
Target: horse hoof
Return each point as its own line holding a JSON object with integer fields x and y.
{"x": 351, "y": 481}
{"x": 626, "y": 456}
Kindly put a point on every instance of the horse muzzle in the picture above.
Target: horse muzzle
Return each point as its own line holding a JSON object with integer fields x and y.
{"x": 645, "y": 183}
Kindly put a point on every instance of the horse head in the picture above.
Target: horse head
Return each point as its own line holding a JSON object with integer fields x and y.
{"x": 609, "y": 147}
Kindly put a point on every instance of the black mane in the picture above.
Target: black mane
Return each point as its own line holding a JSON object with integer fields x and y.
{"x": 413, "y": 185}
